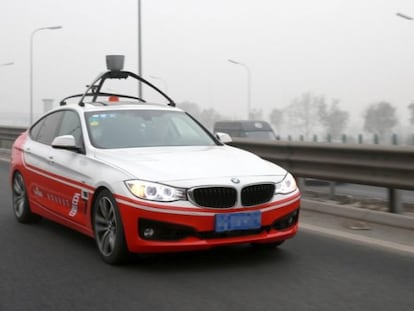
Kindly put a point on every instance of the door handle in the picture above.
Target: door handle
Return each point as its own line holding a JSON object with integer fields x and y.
{"x": 51, "y": 160}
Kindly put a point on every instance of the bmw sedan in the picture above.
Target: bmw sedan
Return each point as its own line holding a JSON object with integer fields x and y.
{"x": 147, "y": 178}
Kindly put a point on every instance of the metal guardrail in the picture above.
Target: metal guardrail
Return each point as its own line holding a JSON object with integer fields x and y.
{"x": 376, "y": 165}
{"x": 8, "y": 135}
{"x": 389, "y": 167}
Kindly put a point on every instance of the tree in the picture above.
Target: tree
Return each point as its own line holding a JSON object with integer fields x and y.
{"x": 276, "y": 118}
{"x": 333, "y": 119}
{"x": 207, "y": 117}
{"x": 256, "y": 114}
{"x": 380, "y": 118}
{"x": 411, "y": 108}
{"x": 303, "y": 113}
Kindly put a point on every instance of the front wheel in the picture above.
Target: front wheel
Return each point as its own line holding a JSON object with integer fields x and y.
{"x": 108, "y": 229}
{"x": 21, "y": 205}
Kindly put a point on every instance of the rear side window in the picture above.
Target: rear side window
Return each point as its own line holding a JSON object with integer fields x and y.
{"x": 45, "y": 130}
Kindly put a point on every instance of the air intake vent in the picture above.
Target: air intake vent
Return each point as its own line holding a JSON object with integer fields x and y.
{"x": 257, "y": 194}
{"x": 216, "y": 197}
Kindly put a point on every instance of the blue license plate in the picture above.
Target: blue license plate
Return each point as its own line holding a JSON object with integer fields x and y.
{"x": 238, "y": 221}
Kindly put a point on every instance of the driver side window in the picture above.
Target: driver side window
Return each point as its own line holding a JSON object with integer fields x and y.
{"x": 70, "y": 125}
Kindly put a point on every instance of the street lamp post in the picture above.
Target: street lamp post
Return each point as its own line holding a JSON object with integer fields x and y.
{"x": 394, "y": 195}
{"x": 248, "y": 85}
{"x": 31, "y": 64}
{"x": 139, "y": 50}
{"x": 162, "y": 81}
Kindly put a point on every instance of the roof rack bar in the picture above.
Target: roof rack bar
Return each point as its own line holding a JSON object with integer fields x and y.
{"x": 95, "y": 87}
{"x": 63, "y": 101}
{"x": 115, "y": 64}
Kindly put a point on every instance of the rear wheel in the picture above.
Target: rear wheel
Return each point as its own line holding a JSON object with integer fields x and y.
{"x": 265, "y": 246}
{"x": 108, "y": 228}
{"x": 20, "y": 200}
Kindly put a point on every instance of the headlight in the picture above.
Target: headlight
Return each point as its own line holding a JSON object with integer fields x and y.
{"x": 155, "y": 192}
{"x": 287, "y": 185}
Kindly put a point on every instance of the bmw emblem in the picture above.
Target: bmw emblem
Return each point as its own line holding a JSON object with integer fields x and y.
{"x": 235, "y": 180}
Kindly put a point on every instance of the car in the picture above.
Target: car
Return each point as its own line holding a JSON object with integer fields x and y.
{"x": 255, "y": 129}
{"x": 145, "y": 178}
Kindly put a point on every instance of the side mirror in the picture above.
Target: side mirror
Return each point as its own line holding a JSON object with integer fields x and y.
{"x": 223, "y": 137}
{"x": 65, "y": 142}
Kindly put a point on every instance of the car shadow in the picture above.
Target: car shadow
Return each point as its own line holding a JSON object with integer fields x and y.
{"x": 219, "y": 258}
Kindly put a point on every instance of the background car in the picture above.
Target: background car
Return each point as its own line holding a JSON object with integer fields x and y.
{"x": 255, "y": 129}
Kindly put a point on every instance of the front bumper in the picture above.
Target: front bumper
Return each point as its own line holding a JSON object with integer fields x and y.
{"x": 153, "y": 228}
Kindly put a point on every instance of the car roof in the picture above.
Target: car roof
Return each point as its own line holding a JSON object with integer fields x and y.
{"x": 111, "y": 106}
{"x": 247, "y": 125}
{"x": 127, "y": 105}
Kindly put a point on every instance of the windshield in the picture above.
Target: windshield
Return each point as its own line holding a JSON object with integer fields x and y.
{"x": 144, "y": 128}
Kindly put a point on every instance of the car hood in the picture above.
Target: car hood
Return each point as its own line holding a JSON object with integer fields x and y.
{"x": 175, "y": 164}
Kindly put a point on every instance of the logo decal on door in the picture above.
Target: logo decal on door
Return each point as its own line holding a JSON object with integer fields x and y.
{"x": 75, "y": 205}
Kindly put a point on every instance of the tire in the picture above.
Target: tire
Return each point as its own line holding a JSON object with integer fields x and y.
{"x": 108, "y": 229}
{"x": 20, "y": 201}
{"x": 265, "y": 246}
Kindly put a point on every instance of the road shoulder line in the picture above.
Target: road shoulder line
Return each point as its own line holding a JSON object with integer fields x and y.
{"x": 384, "y": 218}
{"x": 357, "y": 238}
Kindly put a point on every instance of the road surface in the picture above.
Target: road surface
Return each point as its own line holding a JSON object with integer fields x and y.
{"x": 48, "y": 267}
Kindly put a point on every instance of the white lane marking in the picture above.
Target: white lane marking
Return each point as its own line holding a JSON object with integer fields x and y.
{"x": 4, "y": 159}
{"x": 357, "y": 238}
{"x": 5, "y": 155}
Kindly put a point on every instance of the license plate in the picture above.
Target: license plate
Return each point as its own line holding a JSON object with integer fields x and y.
{"x": 238, "y": 221}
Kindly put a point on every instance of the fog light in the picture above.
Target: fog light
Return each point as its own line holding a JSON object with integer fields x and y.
{"x": 286, "y": 222}
{"x": 149, "y": 232}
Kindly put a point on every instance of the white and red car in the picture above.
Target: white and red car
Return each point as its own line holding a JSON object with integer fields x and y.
{"x": 147, "y": 178}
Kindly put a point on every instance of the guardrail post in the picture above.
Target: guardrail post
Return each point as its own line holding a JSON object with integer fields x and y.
{"x": 376, "y": 139}
{"x": 301, "y": 183}
{"x": 394, "y": 139}
{"x": 394, "y": 201}
{"x": 332, "y": 186}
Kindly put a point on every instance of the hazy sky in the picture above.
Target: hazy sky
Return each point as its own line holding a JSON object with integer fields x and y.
{"x": 357, "y": 51}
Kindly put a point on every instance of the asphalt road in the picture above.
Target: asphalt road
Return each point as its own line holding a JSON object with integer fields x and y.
{"x": 47, "y": 267}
